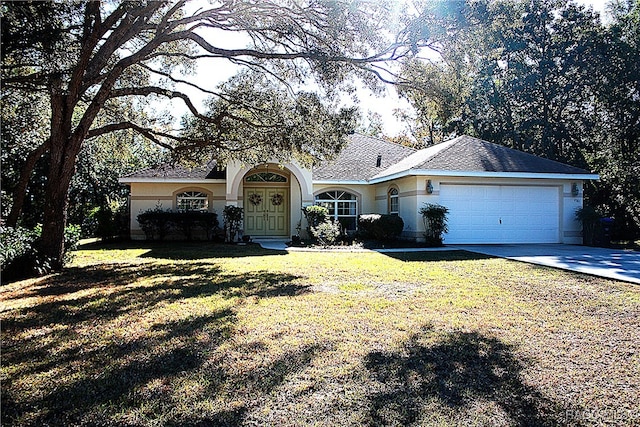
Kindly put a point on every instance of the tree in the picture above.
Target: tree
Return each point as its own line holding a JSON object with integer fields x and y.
{"x": 542, "y": 76}
{"x": 85, "y": 57}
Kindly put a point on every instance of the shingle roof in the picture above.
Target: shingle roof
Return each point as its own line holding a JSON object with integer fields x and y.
{"x": 207, "y": 170}
{"x": 466, "y": 153}
{"x": 358, "y": 160}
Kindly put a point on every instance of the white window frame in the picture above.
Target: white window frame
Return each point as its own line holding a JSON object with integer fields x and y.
{"x": 337, "y": 205}
{"x": 192, "y": 200}
{"x": 393, "y": 196}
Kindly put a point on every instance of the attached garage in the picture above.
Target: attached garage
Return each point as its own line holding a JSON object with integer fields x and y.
{"x": 492, "y": 214}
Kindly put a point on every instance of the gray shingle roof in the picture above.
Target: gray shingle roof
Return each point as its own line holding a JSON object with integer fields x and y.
{"x": 207, "y": 170}
{"x": 466, "y": 153}
{"x": 357, "y": 161}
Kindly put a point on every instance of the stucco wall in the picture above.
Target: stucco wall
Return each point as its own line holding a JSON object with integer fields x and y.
{"x": 149, "y": 195}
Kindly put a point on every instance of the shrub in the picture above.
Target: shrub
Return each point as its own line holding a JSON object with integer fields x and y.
{"x": 590, "y": 219}
{"x": 327, "y": 233}
{"x": 381, "y": 227}
{"x": 15, "y": 243}
{"x": 434, "y": 217}
{"x": 232, "y": 221}
{"x": 157, "y": 222}
{"x": 106, "y": 221}
{"x": 19, "y": 251}
{"x": 315, "y": 215}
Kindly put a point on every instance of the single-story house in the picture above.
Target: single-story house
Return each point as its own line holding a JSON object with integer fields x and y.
{"x": 494, "y": 194}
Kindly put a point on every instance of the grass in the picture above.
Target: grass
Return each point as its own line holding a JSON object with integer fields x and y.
{"x": 198, "y": 334}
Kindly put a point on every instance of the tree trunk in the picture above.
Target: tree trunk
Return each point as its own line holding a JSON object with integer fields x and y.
{"x": 64, "y": 146}
{"x": 21, "y": 189}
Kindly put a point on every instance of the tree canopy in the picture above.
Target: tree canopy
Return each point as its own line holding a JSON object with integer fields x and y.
{"x": 543, "y": 76}
{"x": 85, "y": 60}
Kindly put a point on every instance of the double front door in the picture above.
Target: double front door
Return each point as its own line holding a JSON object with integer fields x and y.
{"x": 266, "y": 211}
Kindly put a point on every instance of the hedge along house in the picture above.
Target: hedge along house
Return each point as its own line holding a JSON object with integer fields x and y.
{"x": 494, "y": 194}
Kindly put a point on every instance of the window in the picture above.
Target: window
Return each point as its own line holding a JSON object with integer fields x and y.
{"x": 393, "y": 201}
{"x": 266, "y": 177}
{"x": 192, "y": 201}
{"x": 342, "y": 206}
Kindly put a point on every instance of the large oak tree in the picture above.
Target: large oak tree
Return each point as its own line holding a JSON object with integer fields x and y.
{"x": 88, "y": 59}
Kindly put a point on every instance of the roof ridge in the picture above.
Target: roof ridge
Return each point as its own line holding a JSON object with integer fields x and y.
{"x": 451, "y": 143}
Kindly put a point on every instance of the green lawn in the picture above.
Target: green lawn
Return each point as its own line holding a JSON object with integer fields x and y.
{"x": 199, "y": 334}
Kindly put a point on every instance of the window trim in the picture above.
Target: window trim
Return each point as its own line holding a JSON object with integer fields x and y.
{"x": 208, "y": 197}
{"x": 390, "y": 200}
{"x": 335, "y": 201}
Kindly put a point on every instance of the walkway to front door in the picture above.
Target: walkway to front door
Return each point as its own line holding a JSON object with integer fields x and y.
{"x": 266, "y": 211}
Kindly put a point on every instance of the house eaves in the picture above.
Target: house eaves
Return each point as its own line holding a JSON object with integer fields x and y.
{"x": 130, "y": 180}
{"x": 481, "y": 174}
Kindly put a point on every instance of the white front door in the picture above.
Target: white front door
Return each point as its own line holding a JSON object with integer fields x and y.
{"x": 501, "y": 213}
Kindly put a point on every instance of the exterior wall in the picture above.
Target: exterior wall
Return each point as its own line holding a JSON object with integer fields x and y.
{"x": 408, "y": 193}
{"x": 149, "y": 195}
{"x": 412, "y": 194}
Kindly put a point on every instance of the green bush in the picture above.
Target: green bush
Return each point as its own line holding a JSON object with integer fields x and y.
{"x": 107, "y": 221}
{"x": 315, "y": 215}
{"x": 590, "y": 219}
{"x": 19, "y": 253}
{"x": 381, "y": 227}
{"x": 157, "y": 223}
{"x": 327, "y": 233}
{"x": 232, "y": 221}
{"x": 15, "y": 243}
{"x": 434, "y": 217}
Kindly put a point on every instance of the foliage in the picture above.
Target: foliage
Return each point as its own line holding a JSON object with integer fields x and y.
{"x": 327, "y": 233}
{"x": 87, "y": 60}
{"x": 19, "y": 253}
{"x": 546, "y": 77}
{"x": 315, "y": 215}
{"x": 106, "y": 221}
{"x": 14, "y": 244}
{"x": 590, "y": 218}
{"x": 434, "y": 217}
{"x": 158, "y": 223}
{"x": 232, "y": 222}
{"x": 381, "y": 227}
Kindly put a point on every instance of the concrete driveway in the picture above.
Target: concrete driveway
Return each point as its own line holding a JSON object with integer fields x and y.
{"x": 610, "y": 263}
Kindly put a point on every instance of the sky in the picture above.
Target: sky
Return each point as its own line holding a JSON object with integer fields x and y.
{"x": 211, "y": 73}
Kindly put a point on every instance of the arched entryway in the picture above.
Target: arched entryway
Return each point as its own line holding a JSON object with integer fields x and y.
{"x": 267, "y": 202}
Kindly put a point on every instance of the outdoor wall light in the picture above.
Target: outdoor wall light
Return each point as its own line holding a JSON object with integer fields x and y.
{"x": 429, "y": 187}
{"x": 575, "y": 190}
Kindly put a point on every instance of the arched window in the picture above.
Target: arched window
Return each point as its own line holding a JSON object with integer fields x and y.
{"x": 393, "y": 201}
{"x": 342, "y": 206}
{"x": 192, "y": 201}
{"x": 265, "y": 177}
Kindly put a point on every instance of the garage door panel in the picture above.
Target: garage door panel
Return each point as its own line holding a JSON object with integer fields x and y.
{"x": 501, "y": 214}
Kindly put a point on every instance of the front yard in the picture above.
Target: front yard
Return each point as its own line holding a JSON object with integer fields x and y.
{"x": 195, "y": 334}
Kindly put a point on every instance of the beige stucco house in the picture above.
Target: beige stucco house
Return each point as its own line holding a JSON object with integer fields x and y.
{"x": 494, "y": 194}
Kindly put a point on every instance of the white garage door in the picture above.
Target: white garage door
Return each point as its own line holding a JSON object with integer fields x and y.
{"x": 501, "y": 213}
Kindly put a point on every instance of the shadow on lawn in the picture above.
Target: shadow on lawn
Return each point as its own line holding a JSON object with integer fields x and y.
{"x": 124, "y": 288}
{"x": 446, "y": 255}
{"x": 187, "y": 250}
{"x": 455, "y": 372}
{"x": 114, "y": 370}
